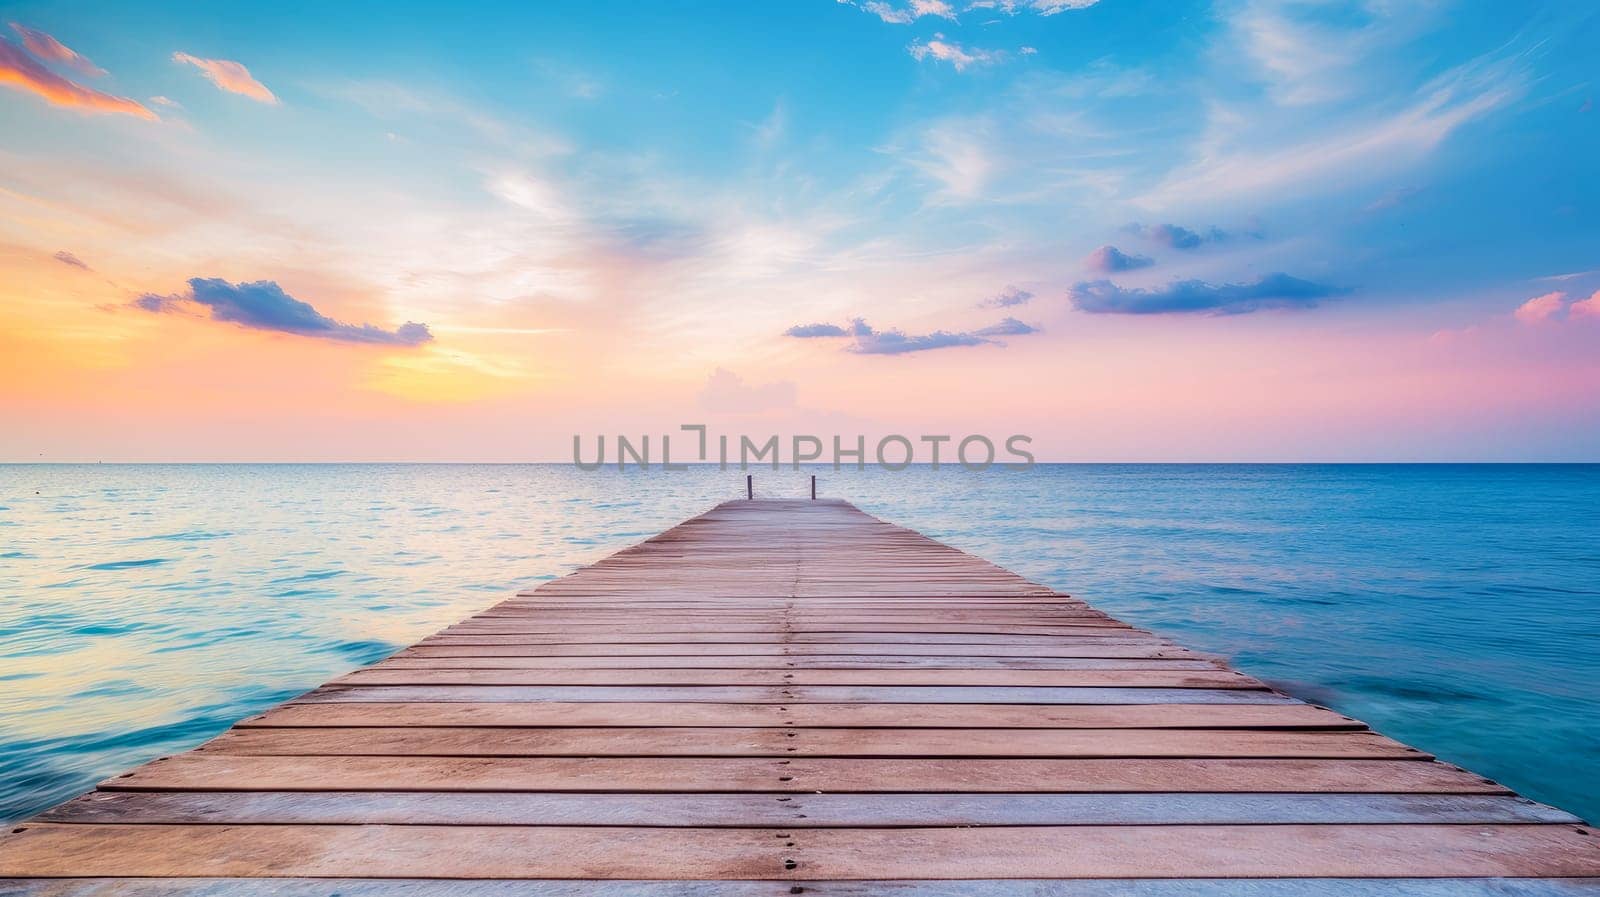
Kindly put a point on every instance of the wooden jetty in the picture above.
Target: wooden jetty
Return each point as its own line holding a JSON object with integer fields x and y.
{"x": 793, "y": 697}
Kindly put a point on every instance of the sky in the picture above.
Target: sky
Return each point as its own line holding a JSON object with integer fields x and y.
{"x": 1241, "y": 230}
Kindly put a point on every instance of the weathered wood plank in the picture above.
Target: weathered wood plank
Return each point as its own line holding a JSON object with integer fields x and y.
{"x": 800, "y": 810}
{"x": 1244, "y": 851}
{"x": 783, "y": 694}
{"x": 977, "y": 716}
{"x": 787, "y": 741}
{"x": 532, "y": 624}
{"x": 1238, "y": 887}
{"x": 1103, "y": 635}
{"x": 205, "y": 771}
{"x": 817, "y": 662}
{"x": 1150, "y": 649}
{"x": 394, "y": 673}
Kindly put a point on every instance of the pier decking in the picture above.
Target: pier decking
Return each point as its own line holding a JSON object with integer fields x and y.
{"x": 793, "y": 697}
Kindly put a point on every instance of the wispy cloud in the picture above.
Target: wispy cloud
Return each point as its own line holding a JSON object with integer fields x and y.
{"x": 960, "y": 58}
{"x": 1042, "y": 7}
{"x": 957, "y": 156}
{"x": 67, "y": 258}
{"x": 230, "y": 76}
{"x": 1175, "y": 236}
{"x": 910, "y": 12}
{"x": 906, "y": 13}
{"x": 1010, "y": 297}
{"x": 263, "y": 305}
{"x": 1109, "y": 260}
{"x": 1234, "y": 162}
{"x": 1390, "y": 199}
{"x": 49, "y": 49}
{"x": 868, "y": 340}
{"x": 1570, "y": 275}
{"x": 23, "y": 72}
{"x": 1275, "y": 291}
{"x": 1308, "y": 53}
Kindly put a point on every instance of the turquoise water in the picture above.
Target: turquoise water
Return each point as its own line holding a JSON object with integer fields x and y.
{"x": 145, "y": 608}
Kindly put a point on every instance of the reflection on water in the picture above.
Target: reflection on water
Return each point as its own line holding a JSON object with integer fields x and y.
{"x": 146, "y": 608}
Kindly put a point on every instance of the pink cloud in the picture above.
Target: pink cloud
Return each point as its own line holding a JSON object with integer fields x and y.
{"x": 1452, "y": 337}
{"x": 953, "y": 53}
{"x": 23, "y": 72}
{"x": 48, "y": 48}
{"x": 1541, "y": 309}
{"x": 230, "y": 76}
{"x": 916, "y": 10}
{"x": 1585, "y": 308}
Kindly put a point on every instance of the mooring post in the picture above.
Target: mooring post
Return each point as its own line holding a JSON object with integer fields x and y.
{"x": 813, "y": 487}
{"x": 749, "y": 486}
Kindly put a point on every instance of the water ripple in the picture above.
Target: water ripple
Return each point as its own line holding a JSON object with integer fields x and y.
{"x": 125, "y": 565}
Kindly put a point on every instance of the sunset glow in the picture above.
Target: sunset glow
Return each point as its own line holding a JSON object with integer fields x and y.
{"x": 1251, "y": 230}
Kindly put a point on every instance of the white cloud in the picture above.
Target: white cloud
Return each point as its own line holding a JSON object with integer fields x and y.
{"x": 230, "y": 76}
{"x": 1554, "y": 307}
{"x": 532, "y": 194}
{"x": 905, "y": 15}
{"x": 949, "y": 51}
{"x": 956, "y": 156}
{"x": 1314, "y": 52}
{"x": 1232, "y": 161}
{"x": 1541, "y": 309}
{"x": 1042, "y": 7}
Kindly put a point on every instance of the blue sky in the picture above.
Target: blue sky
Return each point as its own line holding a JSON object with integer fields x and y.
{"x": 672, "y": 188}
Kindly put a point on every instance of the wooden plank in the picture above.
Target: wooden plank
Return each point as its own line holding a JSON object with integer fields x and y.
{"x": 1150, "y": 649}
{"x": 780, "y": 694}
{"x": 538, "y": 624}
{"x": 392, "y": 673}
{"x": 781, "y": 742}
{"x": 823, "y": 662}
{"x": 206, "y": 771}
{"x": 348, "y": 887}
{"x": 801, "y": 810}
{"x": 977, "y": 716}
{"x": 777, "y": 636}
{"x": 809, "y": 615}
{"x": 1244, "y": 851}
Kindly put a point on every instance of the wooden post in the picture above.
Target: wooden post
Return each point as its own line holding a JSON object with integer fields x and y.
{"x": 813, "y": 487}
{"x": 749, "y": 486}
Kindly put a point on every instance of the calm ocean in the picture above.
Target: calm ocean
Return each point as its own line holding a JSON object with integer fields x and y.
{"x": 145, "y": 608}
